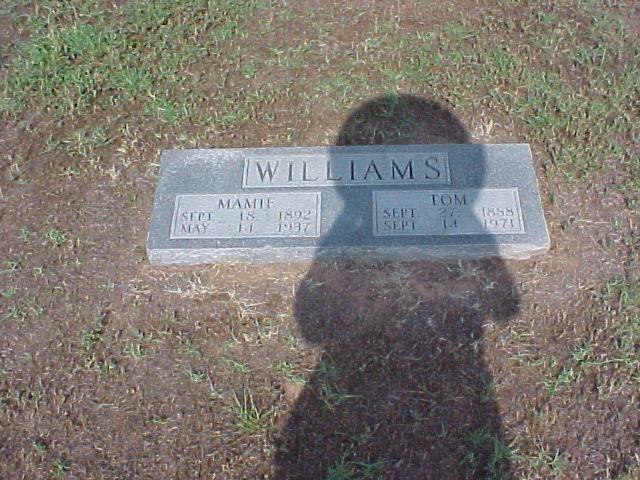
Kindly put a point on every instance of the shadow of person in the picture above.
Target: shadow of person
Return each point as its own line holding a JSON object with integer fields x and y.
{"x": 401, "y": 389}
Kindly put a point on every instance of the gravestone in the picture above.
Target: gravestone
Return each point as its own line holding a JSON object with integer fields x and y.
{"x": 400, "y": 202}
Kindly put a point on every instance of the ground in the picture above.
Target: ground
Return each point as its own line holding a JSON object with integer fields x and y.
{"x": 111, "y": 368}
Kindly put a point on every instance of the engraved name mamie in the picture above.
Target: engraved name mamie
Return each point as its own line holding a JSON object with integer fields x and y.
{"x": 321, "y": 170}
{"x": 235, "y": 215}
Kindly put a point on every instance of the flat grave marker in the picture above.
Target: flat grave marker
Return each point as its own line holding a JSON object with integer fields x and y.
{"x": 397, "y": 202}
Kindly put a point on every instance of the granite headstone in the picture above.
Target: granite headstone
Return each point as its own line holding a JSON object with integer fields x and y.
{"x": 399, "y": 202}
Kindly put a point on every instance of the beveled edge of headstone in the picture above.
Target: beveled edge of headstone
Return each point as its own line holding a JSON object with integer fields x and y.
{"x": 160, "y": 256}
{"x": 176, "y": 257}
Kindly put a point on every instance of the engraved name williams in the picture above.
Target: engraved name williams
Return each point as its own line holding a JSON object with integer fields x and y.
{"x": 432, "y": 168}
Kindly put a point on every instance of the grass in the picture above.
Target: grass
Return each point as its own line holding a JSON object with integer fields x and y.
{"x": 239, "y": 367}
{"x": 576, "y": 121}
{"x": 196, "y": 376}
{"x": 9, "y": 292}
{"x": 39, "y": 447}
{"x": 85, "y": 53}
{"x": 192, "y": 349}
{"x": 249, "y": 418}
{"x": 61, "y": 468}
{"x": 287, "y": 370}
{"x": 12, "y": 266}
{"x": 500, "y": 453}
{"x": 349, "y": 468}
{"x": 55, "y": 237}
{"x": 23, "y": 308}
{"x": 552, "y": 462}
{"x": 620, "y": 300}
{"x": 83, "y": 143}
{"x": 291, "y": 341}
{"x": 331, "y": 394}
{"x": 135, "y": 348}
{"x": 92, "y": 336}
{"x": 68, "y": 66}
{"x": 26, "y": 234}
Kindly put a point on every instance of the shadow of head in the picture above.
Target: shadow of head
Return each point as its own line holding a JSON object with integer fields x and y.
{"x": 401, "y": 119}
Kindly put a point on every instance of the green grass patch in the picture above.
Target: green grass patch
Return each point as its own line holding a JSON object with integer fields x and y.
{"x": 138, "y": 52}
{"x": 55, "y": 237}
{"x": 551, "y": 462}
{"x": 21, "y": 309}
{"x": 250, "y": 418}
{"x": 348, "y": 467}
{"x": 288, "y": 371}
{"x": 500, "y": 454}
{"x": 610, "y": 353}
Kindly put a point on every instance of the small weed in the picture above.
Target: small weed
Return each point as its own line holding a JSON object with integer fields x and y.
{"x": 9, "y": 292}
{"x": 60, "y": 468}
{"x": 85, "y": 142}
{"x": 241, "y": 368}
{"x": 632, "y": 473}
{"x": 196, "y": 376}
{"x": 26, "y": 356}
{"x": 70, "y": 171}
{"x": 333, "y": 396}
{"x": 483, "y": 440}
{"x": 627, "y": 293}
{"x": 51, "y": 144}
{"x": 55, "y": 237}
{"x": 22, "y": 309}
{"x": 488, "y": 387}
{"x": 26, "y": 234}
{"x": 288, "y": 372}
{"x": 94, "y": 335}
{"x": 249, "y": 418}
{"x": 564, "y": 378}
{"x": 347, "y": 469}
{"x": 478, "y": 438}
{"x": 39, "y": 447}
{"x": 553, "y": 463}
{"x": 135, "y": 348}
{"x": 285, "y": 15}
{"x": 107, "y": 366}
{"x": 160, "y": 420}
{"x": 370, "y": 470}
{"x": 327, "y": 371}
{"x": 249, "y": 70}
{"x": 501, "y": 455}
{"x": 12, "y": 266}
{"x": 291, "y": 341}
{"x": 293, "y": 58}
{"x": 15, "y": 174}
{"x": 342, "y": 470}
{"x": 457, "y": 31}
{"x": 191, "y": 349}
